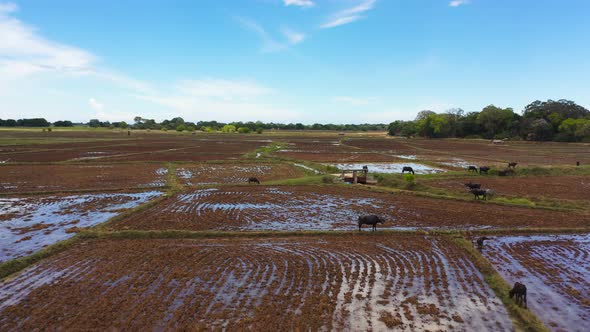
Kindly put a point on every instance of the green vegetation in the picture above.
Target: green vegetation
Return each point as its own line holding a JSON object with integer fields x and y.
{"x": 561, "y": 120}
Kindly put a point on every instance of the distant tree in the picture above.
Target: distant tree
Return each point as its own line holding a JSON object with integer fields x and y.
{"x": 424, "y": 114}
{"x": 34, "y": 122}
{"x": 228, "y": 129}
{"x": 259, "y": 130}
{"x": 243, "y": 130}
{"x": 495, "y": 120}
{"x": 94, "y": 123}
{"x": 63, "y": 123}
{"x": 180, "y": 127}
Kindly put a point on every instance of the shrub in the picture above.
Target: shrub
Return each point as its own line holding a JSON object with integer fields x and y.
{"x": 410, "y": 180}
{"x": 259, "y": 130}
{"x": 327, "y": 179}
{"x": 243, "y": 130}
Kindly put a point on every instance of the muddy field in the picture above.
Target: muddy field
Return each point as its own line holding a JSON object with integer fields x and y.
{"x": 405, "y": 283}
{"x": 480, "y": 151}
{"x": 331, "y": 208}
{"x": 35, "y": 178}
{"x": 206, "y": 174}
{"x": 28, "y": 224}
{"x": 557, "y": 187}
{"x": 556, "y": 271}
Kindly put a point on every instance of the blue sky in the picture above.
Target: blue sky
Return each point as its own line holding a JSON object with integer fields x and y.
{"x": 337, "y": 61}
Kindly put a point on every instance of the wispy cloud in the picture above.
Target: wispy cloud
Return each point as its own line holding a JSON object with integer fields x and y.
{"x": 222, "y": 88}
{"x": 349, "y": 15}
{"x": 269, "y": 43}
{"x": 355, "y": 101}
{"x": 299, "y": 3}
{"x": 95, "y": 105}
{"x": 457, "y": 3}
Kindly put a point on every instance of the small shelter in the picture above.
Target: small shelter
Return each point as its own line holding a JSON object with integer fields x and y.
{"x": 360, "y": 175}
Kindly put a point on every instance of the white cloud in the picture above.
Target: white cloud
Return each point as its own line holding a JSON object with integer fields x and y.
{"x": 8, "y": 7}
{"x": 95, "y": 105}
{"x": 299, "y": 3}
{"x": 355, "y": 101}
{"x": 457, "y": 3}
{"x": 293, "y": 37}
{"x": 349, "y": 15}
{"x": 270, "y": 44}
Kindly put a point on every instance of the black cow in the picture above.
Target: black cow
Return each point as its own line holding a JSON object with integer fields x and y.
{"x": 253, "y": 180}
{"x": 512, "y": 164}
{"x": 519, "y": 292}
{"x": 407, "y": 169}
{"x": 480, "y": 240}
{"x": 484, "y": 169}
{"x": 473, "y": 185}
{"x": 472, "y": 169}
{"x": 480, "y": 192}
{"x": 371, "y": 219}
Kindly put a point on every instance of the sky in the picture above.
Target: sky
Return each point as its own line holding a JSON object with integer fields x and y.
{"x": 307, "y": 61}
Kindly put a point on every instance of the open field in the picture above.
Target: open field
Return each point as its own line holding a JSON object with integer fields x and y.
{"x": 556, "y": 271}
{"x": 558, "y": 187}
{"x": 330, "y": 208}
{"x": 28, "y": 224}
{"x": 206, "y": 174}
{"x": 69, "y": 177}
{"x": 346, "y": 283}
{"x": 214, "y": 252}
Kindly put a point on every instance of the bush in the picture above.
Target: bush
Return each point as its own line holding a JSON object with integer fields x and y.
{"x": 180, "y": 128}
{"x": 410, "y": 180}
{"x": 327, "y": 179}
{"x": 259, "y": 130}
{"x": 243, "y": 130}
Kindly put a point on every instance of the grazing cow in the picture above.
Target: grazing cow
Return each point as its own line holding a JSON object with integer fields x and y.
{"x": 473, "y": 185}
{"x": 512, "y": 164}
{"x": 407, "y": 169}
{"x": 519, "y": 292}
{"x": 253, "y": 180}
{"x": 371, "y": 219}
{"x": 484, "y": 169}
{"x": 472, "y": 169}
{"x": 480, "y": 240}
{"x": 480, "y": 192}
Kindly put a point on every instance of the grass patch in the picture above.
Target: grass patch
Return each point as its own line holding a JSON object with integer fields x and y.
{"x": 523, "y": 319}
{"x": 307, "y": 180}
{"x": 515, "y": 201}
{"x": 14, "y": 265}
{"x": 266, "y": 151}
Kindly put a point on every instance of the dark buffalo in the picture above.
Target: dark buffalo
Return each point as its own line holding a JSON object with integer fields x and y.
{"x": 484, "y": 169}
{"x": 480, "y": 192}
{"x": 473, "y": 185}
{"x": 519, "y": 292}
{"x": 480, "y": 241}
{"x": 371, "y": 219}
{"x": 253, "y": 180}
{"x": 512, "y": 164}
{"x": 407, "y": 169}
{"x": 472, "y": 169}
{"x": 506, "y": 172}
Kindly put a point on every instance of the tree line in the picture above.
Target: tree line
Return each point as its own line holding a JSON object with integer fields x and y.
{"x": 561, "y": 120}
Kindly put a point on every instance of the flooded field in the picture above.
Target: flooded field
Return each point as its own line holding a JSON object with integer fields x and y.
{"x": 556, "y": 272}
{"x": 391, "y": 167}
{"x": 329, "y": 208}
{"x": 224, "y": 173}
{"x": 28, "y": 224}
{"x": 49, "y": 178}
{"x": 405, "y": 283}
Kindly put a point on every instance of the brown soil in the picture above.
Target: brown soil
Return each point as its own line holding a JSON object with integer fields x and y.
{"x": 332, "y": 283}
{"x": 225, "y": 173}
{"x": 329, "y": 207}
{"x": 29, "y": 178}
{"x": 557, "y": 187}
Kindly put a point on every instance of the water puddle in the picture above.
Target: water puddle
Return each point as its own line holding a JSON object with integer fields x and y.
{"x": 390, "y": 168}
{"x": 31, "y": 223}
{"x": 307, "y": 168}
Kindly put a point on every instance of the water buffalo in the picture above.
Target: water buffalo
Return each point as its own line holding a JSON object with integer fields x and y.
{"x": 480, "y": 240}
{"x": 371, "y": 219}
{"x": 484, "y": 169}
{"x": 506, "y": 172}
{"x": 472, "y": 169}
{"x": 480, "y": 192}
{"x": 519, "y": 292}
{"x": 253, "y": 180}
{"x": 512, "y": 164}
{"x": 473, "y": 185}
{"x": 407, "y": 169}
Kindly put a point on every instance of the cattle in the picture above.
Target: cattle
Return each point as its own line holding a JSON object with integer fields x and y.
{"x": 512, "y": 164}
{"x": 473, "y": 185}
{"x": 480, "y": 192}
{"x": 253, "y": 180}
{"x": 484, "y": 169}
{"x": 506, "y": 172}
{"x": 472, "y": 169}
{"x": 407, "y": 169}
{"x": 480, "y": 241}
{"x": 371, "y": 219}
{"x": 519, "y": 293}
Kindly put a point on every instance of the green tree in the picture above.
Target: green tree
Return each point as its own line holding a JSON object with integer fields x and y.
{"x": 243, "y": 130}
{"x": 496, "y": 120}
{"x": 228, "y": 129}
